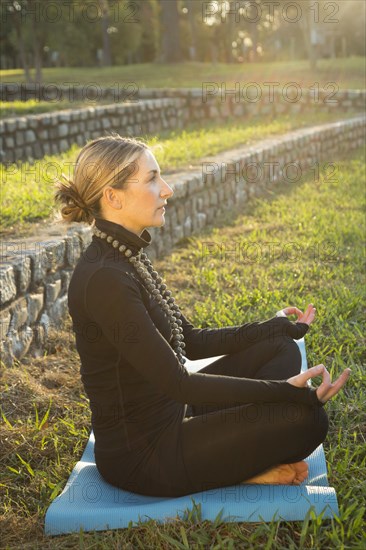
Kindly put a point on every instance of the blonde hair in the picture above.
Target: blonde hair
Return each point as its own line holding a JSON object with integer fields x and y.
{"x": 105, "y": 161}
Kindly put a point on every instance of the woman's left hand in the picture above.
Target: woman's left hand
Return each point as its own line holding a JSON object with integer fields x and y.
{"x": 307, "y": 317}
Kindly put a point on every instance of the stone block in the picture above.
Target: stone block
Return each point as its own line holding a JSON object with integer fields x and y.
{"x": 85, "y": 235}
{"x": 213, "y": 198}
{"x": 65, "y": 280}
{"x": 201, "y": 219}
{"x": 19, "y": 314}
{"x": 46, "y": 120}
{"x": 54, "y": 119}
{"x": 8, "y": 290}
{"x": 44, "y": 324}
{"x": 64, "y": 117}
{"x": 5, "y": 317}
{"x": 35, "y": 305}
{"x": 52, "y": 290}
{"x": 23, "y": 273}
{"x": 9, "y": 142}
{"x": 30, "y": 136}
{"x": 53, "y": 133}
{"x": 38, "y": 153}
{"x": 181, "y": 213}
{"x": 73, "y": 249}
{"x": 58, "y": 311}
{"x": 39, "y": 266}
{"x": 225, "y": 110}
{"x": 19, "y": 137}
{"x": 11, "y": 125}
{"x": 178, "y": 233}
{"x": 187, "y": 226}
{"x": 20, "y": 341}
{"x": 64, "y": 145}
{"x": 80, "y": 139}
{"x": 53, "y": 254}
{"x": 90, "y": 125}
{"x": 22, "y": 123}
{"x": 213, "y": 111}
{"x": 33, "y": 122}
{"x": 238, "y": 109}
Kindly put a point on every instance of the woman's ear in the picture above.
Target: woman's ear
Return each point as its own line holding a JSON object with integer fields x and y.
{"x": 112, "y": 198}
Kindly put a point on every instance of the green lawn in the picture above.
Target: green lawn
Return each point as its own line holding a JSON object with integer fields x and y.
{"x": 46, "y": 415}
{"x": 27, "y": 190}
{"x": 347, "y": 73}
{"x": 10, "y": 109}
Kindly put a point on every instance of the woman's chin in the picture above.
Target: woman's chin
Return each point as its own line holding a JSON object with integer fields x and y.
{"x": 158, "y": 222}
{"x": 162, "y": 217}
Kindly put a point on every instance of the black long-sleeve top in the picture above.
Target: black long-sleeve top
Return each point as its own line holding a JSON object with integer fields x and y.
{"x": 137, "y": 388}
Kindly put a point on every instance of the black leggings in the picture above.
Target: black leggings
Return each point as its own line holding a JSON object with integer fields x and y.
{"x": 225, "y": 445}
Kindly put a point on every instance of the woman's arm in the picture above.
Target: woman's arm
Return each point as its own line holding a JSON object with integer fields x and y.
{"x": 114, "y": 300}
{"x": 210, "y": 342}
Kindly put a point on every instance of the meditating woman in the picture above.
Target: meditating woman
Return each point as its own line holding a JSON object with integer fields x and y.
{"x": 159, "y": 429}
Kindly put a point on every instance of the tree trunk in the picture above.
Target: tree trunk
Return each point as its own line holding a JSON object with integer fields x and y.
{"x": 192, "y": 25}
{"x": 23, "y": 57}
{"x": 254, "y": 30}
{"x": 171, "y": 51}
{"x": 37, "y": 54}
{"x": 106, "y": 60}
{"x": 306, "y": 24}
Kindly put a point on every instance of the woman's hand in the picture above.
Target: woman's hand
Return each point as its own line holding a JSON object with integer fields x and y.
{"x": 307, "y": 317}
{"x": 326, "y": 390}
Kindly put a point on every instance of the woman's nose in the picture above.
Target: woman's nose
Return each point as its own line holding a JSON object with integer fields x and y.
{"x": 167, "y": 191}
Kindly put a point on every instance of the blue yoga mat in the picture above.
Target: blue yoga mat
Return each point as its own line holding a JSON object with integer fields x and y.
{"x": 89, "y": 503}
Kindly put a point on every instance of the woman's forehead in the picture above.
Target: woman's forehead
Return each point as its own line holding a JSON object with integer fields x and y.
{"x": 148, "y": 162}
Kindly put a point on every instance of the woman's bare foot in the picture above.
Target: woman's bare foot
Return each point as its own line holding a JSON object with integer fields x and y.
{"x": 284, "y": 474}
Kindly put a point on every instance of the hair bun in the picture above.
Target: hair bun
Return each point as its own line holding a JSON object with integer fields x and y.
{"x": 74, "y": 208}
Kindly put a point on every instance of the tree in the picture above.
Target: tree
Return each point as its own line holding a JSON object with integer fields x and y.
{"x": 15, "y": 10}
{"x": 170, "y": 46}
{"x": 107, "y": 60}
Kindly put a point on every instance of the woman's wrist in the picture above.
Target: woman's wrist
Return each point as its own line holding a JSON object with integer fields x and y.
{"x": 305, "y": 394}
{"x": 281, "y": 313}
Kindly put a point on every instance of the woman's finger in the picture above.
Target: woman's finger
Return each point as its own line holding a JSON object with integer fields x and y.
{"x": 300, "y": 380}
{"x": 308, "y": 316}
{"x": 334, "y": 388}
{"x": 292, "y": 310}
{"x": 325, "y": 385}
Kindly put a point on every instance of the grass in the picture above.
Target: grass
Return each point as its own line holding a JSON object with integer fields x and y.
{"x": 45, "y": 411}
{"x": 10, "y": 109}
{"x": 343, "y": 73}
{"x": 27, "y": 190}
{"x": 347, "y": 73}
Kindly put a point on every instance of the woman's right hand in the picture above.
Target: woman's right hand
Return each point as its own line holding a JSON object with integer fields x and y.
{"x": 326, "y": 390}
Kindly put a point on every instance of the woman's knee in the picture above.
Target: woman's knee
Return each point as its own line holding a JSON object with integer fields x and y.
{"x": 287, "y": 359}
{"x": 294, "y": 355}
{"x": 321, "y": 423}
{"x": 311, "y": 422}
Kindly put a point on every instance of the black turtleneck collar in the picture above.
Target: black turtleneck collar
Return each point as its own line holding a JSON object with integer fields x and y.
{"x": 124, "y": 235}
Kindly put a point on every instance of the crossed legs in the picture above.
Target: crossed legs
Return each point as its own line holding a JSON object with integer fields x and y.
{"x": 225, "y": 444}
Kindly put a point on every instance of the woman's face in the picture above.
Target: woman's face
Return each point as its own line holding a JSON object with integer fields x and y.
{"x": 144, "y": 196}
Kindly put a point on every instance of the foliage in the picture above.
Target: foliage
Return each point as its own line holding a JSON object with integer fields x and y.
{"x": 75, "y": 32}
{"x": 45, "y": 413}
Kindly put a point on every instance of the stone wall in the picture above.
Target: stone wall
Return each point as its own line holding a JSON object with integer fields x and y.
{"x": 35, "y": 273}
{"x": 34, "y": 136}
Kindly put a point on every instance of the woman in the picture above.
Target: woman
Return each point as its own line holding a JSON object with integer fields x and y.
{"x": 160, "y": 430}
